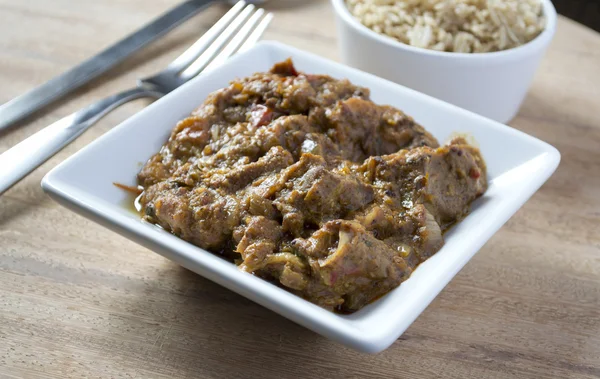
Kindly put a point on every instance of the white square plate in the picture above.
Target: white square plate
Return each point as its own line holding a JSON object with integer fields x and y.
{"x": 518, "y": 165}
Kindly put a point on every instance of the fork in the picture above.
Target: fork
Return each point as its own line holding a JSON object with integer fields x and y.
{"x": 240, "y": 28}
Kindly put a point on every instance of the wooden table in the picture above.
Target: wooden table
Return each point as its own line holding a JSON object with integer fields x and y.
{"x": 79, "y": 301}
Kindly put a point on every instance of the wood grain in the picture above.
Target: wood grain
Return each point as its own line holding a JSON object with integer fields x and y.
{"x": 79, "y": 301}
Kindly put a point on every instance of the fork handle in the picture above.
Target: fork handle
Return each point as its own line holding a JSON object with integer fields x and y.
{"x": 18, "y": 161}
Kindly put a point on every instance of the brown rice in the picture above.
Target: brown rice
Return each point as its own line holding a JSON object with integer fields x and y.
{"x": 466, "y": 26}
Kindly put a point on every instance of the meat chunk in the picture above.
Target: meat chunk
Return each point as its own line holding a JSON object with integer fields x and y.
{"x": 261, "y": 238}
{"x": 259, "y": 250}
{"x": 442, "y": 179}
{"x": 413, "y": 232}
{"x": 400, "y": 131}
{"x": 199, "y": 215}
{"x": 364, "y": 129}
{"x": 312, "y": 194}
{"x": 355, "y": 266}
{"x": 242, "y": 175}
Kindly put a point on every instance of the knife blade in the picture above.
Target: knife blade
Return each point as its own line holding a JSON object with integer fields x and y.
{"x": 24, "y": 105}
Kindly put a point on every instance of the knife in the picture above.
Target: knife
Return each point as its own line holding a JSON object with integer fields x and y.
{"x": 24, "y": 105}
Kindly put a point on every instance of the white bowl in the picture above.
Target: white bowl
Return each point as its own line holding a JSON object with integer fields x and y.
{"x": 491, "y": 84}
{"x": 83, "y": 183}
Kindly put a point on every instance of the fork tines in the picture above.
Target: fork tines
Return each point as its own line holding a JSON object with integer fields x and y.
{"x": 240, "y": 28}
